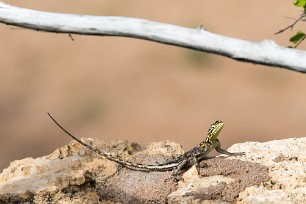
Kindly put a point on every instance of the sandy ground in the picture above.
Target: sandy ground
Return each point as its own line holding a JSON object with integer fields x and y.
{"x": 120, "y": 88}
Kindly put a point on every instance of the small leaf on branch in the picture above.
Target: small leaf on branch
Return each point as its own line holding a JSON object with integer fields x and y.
{"x": 297, "y": 37}
{"x": 299, "y": 3}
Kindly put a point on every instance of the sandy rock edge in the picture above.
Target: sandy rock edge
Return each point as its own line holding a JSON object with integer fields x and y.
{"x": 269, "y": 172}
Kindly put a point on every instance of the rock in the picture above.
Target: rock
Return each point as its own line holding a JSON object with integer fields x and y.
{"x": 271, "y": 172}
{"x": 286, "y": 160}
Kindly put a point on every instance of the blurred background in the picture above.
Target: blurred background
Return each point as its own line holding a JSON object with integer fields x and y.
{"x": 121, "y": 88}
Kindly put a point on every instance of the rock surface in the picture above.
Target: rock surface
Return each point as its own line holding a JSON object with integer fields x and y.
{"x": 271, "y": 172}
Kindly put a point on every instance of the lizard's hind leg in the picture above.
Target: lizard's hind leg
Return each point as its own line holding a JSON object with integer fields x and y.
{"x": 179, "y": 167}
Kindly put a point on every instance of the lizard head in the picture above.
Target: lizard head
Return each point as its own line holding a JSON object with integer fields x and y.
{"x": 214, "y": 131}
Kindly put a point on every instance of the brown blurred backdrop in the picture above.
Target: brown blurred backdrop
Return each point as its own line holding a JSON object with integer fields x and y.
{"x": 121, "y": 88}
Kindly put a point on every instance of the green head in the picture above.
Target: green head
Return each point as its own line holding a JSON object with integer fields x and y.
{"x": 214, "y": 131}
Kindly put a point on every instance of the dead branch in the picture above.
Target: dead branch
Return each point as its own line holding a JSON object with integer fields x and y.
{"x": 266, "y": 52}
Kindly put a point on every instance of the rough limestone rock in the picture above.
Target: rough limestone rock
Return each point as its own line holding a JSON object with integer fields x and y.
{"x": 271, "y": 172}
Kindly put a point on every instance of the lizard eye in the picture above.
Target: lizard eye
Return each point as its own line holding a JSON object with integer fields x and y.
{"x": 203, "y": 145}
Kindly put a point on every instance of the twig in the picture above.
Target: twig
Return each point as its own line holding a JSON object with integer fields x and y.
{"x": 291, "y": 25}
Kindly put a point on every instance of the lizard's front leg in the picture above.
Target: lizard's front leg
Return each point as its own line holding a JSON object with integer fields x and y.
{"x": 196, "y": 163}
{"x": 223, "y": 151}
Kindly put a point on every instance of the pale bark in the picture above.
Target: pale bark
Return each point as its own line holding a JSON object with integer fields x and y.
{"x": 266, "y": 52}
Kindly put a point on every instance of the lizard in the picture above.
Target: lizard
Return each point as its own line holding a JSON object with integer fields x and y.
{"x": 187, "y": 159}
